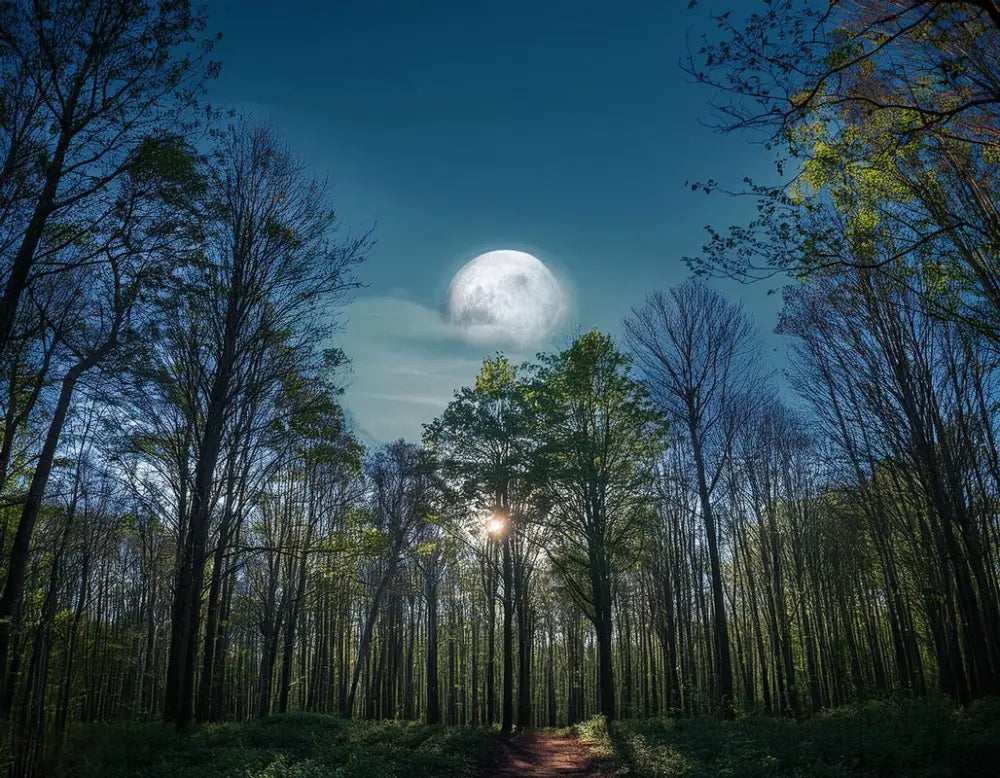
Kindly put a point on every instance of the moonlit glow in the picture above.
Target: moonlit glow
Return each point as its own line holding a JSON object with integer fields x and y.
{"x": 495, "y": 525}
{"x": 505, "y": 297}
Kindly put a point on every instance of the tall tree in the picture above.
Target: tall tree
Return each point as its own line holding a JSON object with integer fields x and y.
{"x": 483, "y": 443}
{"x": 84, "y": 86}
{"x": 599, "y": 436}
{"x": 888, "y": 113}
{"x": 257, "y": 303}
{"x": 402, "y": 487}
{"x": 697, "y": 354}
{"x": 102, "y": 315}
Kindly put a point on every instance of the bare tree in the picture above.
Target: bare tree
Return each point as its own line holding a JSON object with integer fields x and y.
{"x": 698, "y": 353}
{"x": 259, "y": 303}
{"x": 86, "y": 87}
{"x": 401, "y": 488}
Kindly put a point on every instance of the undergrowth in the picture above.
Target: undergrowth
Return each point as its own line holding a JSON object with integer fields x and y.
{"x": 294, "y": 745}
{"x": 922, "y": 739}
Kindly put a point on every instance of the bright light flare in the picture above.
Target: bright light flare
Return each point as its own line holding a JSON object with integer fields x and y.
{"x": 496, "y": 525}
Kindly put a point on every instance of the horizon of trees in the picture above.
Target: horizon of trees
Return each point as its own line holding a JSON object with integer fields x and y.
{"x": 190, "y": 530}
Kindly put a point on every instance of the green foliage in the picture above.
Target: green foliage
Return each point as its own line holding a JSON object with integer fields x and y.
{"x": 294, "y": 745}
{"x": 600, "y": 433}
{"x": 925, "y": 738}
{"x": 586, "y": 395}
{"x": 496, "y": 378}
{"x": 169, "y": 166}
{"x": 596, "y": 733}
{"x": 314, "y": 419}
{"x": 483, "y": 439}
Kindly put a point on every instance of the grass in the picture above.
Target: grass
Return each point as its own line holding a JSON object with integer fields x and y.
{"x": 923, "y": 739}
{"x": 294, "y": 745}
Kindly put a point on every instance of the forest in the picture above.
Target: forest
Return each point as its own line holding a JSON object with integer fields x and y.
{"x": 649, "y": 541}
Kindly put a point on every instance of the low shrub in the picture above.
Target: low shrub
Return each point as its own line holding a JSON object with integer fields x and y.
{"x": 294, "y": 745}
{"x": 923, "y": 739}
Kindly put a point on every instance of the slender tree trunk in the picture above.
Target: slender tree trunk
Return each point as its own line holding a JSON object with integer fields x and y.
{"x": 291, "y": 627}
{"x": 523, "y": 660}
{"x": 203, "y": 704}
{"x": 408, "y": 683}
{"x": 491, "y": 654}
{"x": 507, "y": 711}
{"x": 18, "y": 560}
{"x": 24, "y": 259}
{"x": 601, "y": 586}
{"x": 366, "y": 639}
{"x": 723, "y": 658}
{"x": 551, "y": 677}
{"x": 433, "y": 713}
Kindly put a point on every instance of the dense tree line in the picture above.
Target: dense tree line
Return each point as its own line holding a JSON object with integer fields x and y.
{"x": 191, "y": 531}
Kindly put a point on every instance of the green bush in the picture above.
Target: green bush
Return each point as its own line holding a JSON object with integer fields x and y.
{"x": 294, "y": 745}
{"x": 921, "y": 738}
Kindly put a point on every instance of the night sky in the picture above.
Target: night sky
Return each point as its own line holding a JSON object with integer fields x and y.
{"x": 565, "y": 129}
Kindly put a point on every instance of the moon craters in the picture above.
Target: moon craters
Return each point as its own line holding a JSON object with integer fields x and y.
{"x": 505, "y": 297}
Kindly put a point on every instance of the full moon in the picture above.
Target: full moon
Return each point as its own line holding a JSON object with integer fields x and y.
{"x": 505, "y": 296}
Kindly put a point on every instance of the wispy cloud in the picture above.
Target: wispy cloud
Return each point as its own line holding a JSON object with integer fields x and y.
{"x": 407, "y": 361}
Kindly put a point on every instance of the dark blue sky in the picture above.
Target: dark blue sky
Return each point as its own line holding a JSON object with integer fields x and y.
{"x": 563, "y": 128}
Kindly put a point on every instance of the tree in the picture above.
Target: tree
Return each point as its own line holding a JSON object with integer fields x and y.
{"x": 696, "y": 353}
{"x": 483, "y": 443}
{"x": 105, "y": 300}
{"x": 431, "y": 562}
{"x": 256, "y": 307}
{"x": 766, "y": 452}
{"x": 402, "y": 486}
{"x": 896, "y": 393}
{"x": 889, "y": 117}
{"x": 85, "y": 87}
{"x": 599, "y": 436}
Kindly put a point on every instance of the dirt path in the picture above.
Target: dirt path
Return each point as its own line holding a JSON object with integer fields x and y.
{"x": 545, "y": 755}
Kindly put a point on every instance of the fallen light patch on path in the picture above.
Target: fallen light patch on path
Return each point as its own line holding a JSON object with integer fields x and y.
{"x": 550, "y": 755}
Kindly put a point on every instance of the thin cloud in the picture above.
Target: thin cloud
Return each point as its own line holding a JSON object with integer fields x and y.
{"x": 407, "y": 361}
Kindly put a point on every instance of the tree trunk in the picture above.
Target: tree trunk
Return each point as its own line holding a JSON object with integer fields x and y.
{"x": 366, "y": 639}
{"x": 18, "y": 561}
{"x": 723, "y": 659}
{"x": 523, "y": 661}
{"x": 507, "y": 711}
{"x": 20, "y": 269}
{"x": 190, "y": 570}
{"x": 602, "y": 624}
{"x": 433, "y": 713}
